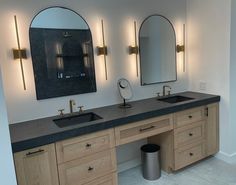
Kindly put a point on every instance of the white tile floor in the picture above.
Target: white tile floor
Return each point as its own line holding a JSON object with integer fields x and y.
{"x": 211, "y": 171}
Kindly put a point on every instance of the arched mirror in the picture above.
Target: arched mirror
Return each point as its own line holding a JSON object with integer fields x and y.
{"x": 62, "y": 53}
{"x": 157, "y": 42}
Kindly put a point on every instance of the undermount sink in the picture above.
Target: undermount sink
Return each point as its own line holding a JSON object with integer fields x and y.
{"x": 175, "y": 99}
{"x": 76, "y": 119}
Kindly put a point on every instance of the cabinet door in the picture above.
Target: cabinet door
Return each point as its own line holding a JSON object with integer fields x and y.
{"x": 212, "y": 127}
{"x": 37, "y": 166}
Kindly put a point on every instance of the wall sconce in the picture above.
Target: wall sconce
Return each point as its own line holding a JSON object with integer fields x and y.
{"x": 134, "y": 49}
{"x": 181, "y": 48}
{"x": 102, "y": 50}
{"x": 19, "y": 53}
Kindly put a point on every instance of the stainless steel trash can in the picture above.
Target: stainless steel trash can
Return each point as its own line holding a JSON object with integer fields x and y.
{"x": 150, "y": 155}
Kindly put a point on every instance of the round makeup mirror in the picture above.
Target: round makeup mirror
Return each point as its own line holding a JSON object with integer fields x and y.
{"x": 125, "y": 92}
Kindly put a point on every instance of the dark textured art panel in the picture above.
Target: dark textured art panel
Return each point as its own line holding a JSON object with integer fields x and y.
{"x": 63, "y": 62}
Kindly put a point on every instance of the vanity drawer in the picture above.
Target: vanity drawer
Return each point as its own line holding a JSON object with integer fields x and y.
{"x": 189, "y": 134}
{"x": 143, "y": 129}
{"x": 189, "y": 116}
{"x": 189, "y": 154}
{"x": 84, "y": 170}
{"x": 110, "y": 179}
{"x": 78, "y": 147}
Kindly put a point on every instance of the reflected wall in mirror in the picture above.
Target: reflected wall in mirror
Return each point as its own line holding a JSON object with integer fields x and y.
{"x": 62, "y": 53}
{"x": 157, "y": 42}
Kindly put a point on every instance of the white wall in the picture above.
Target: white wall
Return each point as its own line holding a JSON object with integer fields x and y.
{"x": 7, "y": 173}
{"x": 233, "y": 78}
{"x": 208, "y": 28}
{"x": 118, "y": 21}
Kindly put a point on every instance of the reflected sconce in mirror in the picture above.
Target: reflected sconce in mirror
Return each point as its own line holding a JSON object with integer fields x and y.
{"x": 102, "y": 50}
{"x": 181, "y": 48}
{"x": 134, "y": 49}
{"x": 19, "y": 53}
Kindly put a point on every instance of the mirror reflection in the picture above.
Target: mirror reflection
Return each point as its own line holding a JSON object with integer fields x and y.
{"x": 62, "y": 53}
{"x": 157, "y": 44}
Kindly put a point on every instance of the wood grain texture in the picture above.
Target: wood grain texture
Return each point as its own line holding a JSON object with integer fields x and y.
{"x": 212, "y": 129}
{"x": 37, "y": 166}
{"x": 166, "y": 142}
{"x": 78, "y": 147}
{"x": 189, "y": 116}
{"x": 189, "y": 134}
{"x": 189, "y": 154}
{"x": 143, "y": 129}
{"x": 110, "y": 179}
{"x": 84, "y": 170}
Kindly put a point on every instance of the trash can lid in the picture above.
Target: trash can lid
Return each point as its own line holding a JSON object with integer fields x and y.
{"x": 150, "y": 148}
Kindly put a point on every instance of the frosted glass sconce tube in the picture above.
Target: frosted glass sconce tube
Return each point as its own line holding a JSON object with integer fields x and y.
{"x": 181, "y": 48}
{"x": 102, "y": 50}
{"x": 134, "y": 49}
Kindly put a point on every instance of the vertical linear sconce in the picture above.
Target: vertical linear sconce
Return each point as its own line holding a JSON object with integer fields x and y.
{"x": 102, "y": 50}
{"x": 19, "y": 53}
{"x": 181, "y": 48}
{"x": 134, "y": 49}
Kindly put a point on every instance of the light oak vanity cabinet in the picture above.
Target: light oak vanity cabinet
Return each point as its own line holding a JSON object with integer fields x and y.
{"x": 88, "y": 158}
{"x": 194, "y": 137}
{"x": 37, "y": 166}
{"x": 185, "y": 137}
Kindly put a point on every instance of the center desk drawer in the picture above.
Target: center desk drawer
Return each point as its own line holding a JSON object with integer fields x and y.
{"x": 84, "y": 170}
{"x": 81, "y": 146}
{"x": 143, "y": 129}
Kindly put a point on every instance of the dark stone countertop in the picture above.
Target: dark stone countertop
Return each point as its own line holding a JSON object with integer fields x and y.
{"x": 44, "y": 131}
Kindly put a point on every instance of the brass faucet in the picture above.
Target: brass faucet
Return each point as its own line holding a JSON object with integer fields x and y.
{"x": 71, "y": 104}
{"x": 164, "y": 89}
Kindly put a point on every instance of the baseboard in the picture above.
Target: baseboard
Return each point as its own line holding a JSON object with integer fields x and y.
{"x": 229, "y": 158}
{"x": 129, "y": 164}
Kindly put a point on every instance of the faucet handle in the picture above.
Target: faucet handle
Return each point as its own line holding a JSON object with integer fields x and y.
{"x": 61, "y": 111}
{"x": 168, "y": 92}
{"x": 81, "y": 108}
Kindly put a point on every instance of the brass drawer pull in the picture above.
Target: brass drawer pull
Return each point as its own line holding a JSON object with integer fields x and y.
{"x": 88, "y": 145}
{"x": 190, "y": 117}
{"x": 191, "y": 154}
{"x": 190, "y": 134}
{"x": 36, "y": 152}
{"x": 145, "y": 129}
{"x": 90, "y": 169}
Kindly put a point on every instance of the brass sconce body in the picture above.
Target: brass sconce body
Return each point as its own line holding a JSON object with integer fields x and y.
{"x": 102, "y": 50}
{"x": 19, "y": 53}
{"x": 181, "y": 48}
{"x": 135, "y": 49}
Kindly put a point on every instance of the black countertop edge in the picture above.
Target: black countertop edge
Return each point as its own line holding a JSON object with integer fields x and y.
{"x": 52, "y": 138}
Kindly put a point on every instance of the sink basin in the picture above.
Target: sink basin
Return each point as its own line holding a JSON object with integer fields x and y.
{"x": 175, "y": 99}
{"x": 76, "y": 119}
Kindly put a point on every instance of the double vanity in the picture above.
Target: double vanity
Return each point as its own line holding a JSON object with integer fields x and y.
{"x": 48, "y": 151}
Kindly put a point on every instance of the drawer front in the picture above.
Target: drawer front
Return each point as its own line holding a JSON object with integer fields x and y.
{"x": 189, "y": 134}
{"x": 143, "y": 129}
{"x": 86, "y": 169}
{"x": 189, "y": 116}
{"x": 188, "y": 155}
{"x": 110, "y": 179}
{"x": 75, "y": 148}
